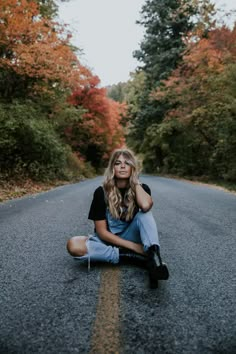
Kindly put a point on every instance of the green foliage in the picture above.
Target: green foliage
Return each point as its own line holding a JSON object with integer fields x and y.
{"x": 29, "y": 144}
{"x": 14, "y": 86}
{"x": 185, "y": 124}
{"x": 165, "y": 22}
{"x": 171, "y": 148}
{"x": 162, "y": 146}
{"x": 76, "y": 164}
{"x": 148, "y": 112}
{"x": 204, "y": 143}
{"x": 117, "y": 92}
{"x": 134, "y": 92}
{"x": 47, "y": 8}
{"x": 42, "y": 135}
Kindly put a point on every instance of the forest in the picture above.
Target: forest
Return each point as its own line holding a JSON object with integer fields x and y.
{"x": 56, "y": 122}
{"x": 177, "y": 111}
{"x": 181, "y": 102}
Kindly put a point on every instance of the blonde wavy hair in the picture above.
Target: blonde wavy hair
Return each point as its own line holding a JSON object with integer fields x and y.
{"x": 112, "y": 193}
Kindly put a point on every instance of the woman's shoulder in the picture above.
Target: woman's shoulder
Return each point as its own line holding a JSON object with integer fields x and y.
{"x": 146, "y": 188}
{"x": 99, "y": 191}
{"x": 144, "y": 185}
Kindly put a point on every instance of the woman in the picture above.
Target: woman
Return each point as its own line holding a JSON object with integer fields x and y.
{"x": 124, "y": 225}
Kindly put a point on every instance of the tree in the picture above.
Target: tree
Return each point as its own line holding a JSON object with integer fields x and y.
{"x": 47, "y": 8}
{"x": 166, "y": 22}
{"x": 168, "y": 25}
{"x": 99, "y": 130}
{"x": 117, "y": 92}
{"x": 29, "y": 144}
{"x": 206, "y": 118}
{"x": 38, "y": 70}
{"x": 35, "y": 53}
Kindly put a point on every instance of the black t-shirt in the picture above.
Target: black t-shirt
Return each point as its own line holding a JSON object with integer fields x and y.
{"x": 98, "y": 206}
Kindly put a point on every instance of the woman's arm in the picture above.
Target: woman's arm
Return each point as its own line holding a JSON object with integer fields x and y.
{"x": 143, "y": 199}
{"x": 105, "y": 235}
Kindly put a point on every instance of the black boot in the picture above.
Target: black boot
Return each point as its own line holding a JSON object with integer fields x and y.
{"x": 156, "y": 268}
{"x": 127, "y": 256}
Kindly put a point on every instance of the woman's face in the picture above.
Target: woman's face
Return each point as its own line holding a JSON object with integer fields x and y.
{"x": 122, "y": 168}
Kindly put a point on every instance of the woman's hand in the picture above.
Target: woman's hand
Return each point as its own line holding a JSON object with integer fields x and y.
{"x": 138, "y": 248}
{"x": 143, "y": 199}
{"x": 134, "y": 182}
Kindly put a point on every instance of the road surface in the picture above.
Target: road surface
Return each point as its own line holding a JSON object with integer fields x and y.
{"x": 52, "y": 304}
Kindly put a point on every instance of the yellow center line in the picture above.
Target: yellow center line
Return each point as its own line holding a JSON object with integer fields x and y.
{"x": 105, "y": 337}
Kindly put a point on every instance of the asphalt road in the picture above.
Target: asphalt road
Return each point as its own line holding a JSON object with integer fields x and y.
{"x": 49, "y": 303}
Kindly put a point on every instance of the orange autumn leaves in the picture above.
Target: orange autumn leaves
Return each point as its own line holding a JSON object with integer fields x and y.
{"x": 191, "y": 81}
{"x": 38, "y": 50}
{"x": 36, "y": 47}
{"x": 197, "y": 134}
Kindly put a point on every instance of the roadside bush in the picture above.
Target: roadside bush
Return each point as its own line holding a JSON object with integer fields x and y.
{"x": 29, "y": 144}
{"x": 77, "y": 167}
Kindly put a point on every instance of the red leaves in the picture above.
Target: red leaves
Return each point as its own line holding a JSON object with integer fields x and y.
{"x": 102, "y": 118}
{"x": 38, "y": 52}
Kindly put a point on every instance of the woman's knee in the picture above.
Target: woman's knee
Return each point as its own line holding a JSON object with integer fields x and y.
{"x": 76, "y": 246}
{"x": 144, "y": 215}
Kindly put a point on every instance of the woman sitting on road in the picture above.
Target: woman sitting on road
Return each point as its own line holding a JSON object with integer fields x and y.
{"x": 125, "y": 230}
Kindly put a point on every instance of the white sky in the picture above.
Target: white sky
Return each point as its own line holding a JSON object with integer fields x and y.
{"x": 106, "y": 32}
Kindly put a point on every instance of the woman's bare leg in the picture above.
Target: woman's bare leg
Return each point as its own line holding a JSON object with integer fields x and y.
{"x": 92, "y": 249}
{"x": 76, "y": 246}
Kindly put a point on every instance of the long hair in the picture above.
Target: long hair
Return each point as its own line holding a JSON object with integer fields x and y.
{"x": 112, "y": 193}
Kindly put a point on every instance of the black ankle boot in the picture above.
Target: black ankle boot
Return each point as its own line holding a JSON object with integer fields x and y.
{"x": 127, "y": 256}
{"x": 156, "y": 268}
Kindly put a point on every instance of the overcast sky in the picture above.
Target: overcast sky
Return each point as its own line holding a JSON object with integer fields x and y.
{"x": 106, "y": 32}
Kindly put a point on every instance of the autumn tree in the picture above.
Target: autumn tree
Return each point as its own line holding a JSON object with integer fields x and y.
{"x": 38, "y": 69}
{"x": 35, "y": 53}
{"x": 167, "y": 25}
{"x": 197, "y": 136}
{"x": 99, "y": 130}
